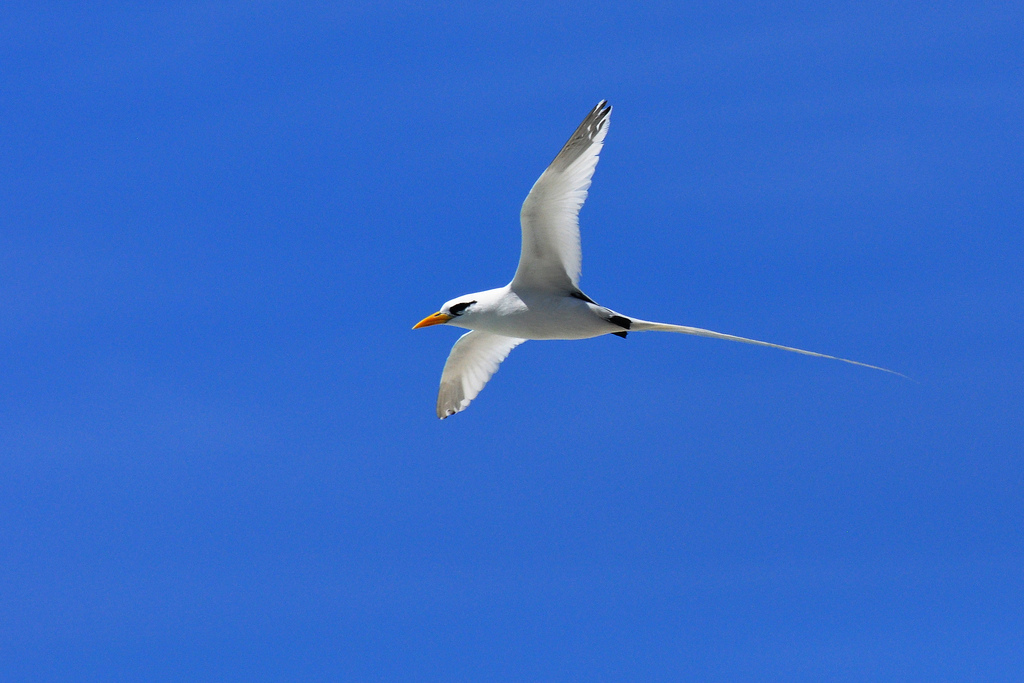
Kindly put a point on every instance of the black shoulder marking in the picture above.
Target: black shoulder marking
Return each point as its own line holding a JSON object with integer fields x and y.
{"x": 621, "y": 334}
{"x": 580, "y": 295}
{"x": 620, "y": 321}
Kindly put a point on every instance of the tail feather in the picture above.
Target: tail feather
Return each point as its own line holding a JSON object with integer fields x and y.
{"x": 647, "y": 326}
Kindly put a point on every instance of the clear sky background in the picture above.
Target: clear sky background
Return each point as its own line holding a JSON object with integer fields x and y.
{"x": 219, "y": 457}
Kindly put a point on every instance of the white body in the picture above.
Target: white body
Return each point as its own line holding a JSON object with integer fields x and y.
{"x": 544, "y": 301}
{"x": 535, "y": 314}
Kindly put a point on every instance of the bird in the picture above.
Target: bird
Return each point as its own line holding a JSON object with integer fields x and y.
{"x": 544, "y": 299}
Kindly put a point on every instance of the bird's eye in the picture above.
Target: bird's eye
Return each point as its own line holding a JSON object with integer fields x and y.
{"x": 460, "y": 308}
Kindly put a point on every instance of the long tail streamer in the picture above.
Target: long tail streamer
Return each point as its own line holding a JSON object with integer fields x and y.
{"x": 647, "y": 326}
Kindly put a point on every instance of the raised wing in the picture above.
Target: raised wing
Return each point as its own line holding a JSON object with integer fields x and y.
{"x": 551, "y": 257}
{"x": 473, "y": 360}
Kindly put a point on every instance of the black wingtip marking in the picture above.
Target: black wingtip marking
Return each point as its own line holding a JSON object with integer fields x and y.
{"x": 620, "y": 334}
{"x": 620, "y": 321}
{"x": 585, "y": 134}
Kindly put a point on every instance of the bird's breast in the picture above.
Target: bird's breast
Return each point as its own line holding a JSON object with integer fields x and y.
{"x": 543, "y": 317}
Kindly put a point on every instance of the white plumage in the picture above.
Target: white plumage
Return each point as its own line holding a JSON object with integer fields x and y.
{"x": 551, "y": 257}
{"x": 544, "y": 301}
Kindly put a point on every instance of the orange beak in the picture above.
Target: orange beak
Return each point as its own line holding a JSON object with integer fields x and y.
{"x": 436, "y": 319}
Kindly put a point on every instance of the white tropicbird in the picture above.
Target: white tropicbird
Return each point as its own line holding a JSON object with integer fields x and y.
{"x": 544, "y": 300}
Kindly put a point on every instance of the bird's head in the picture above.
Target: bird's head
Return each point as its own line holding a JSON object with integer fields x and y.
{"x": 456, "y": 308}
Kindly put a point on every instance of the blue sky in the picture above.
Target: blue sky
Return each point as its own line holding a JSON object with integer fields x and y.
{"x": 219, "y": 457}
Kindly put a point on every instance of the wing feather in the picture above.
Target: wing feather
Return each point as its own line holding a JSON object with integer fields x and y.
{"x": 471, "y": 363}
{"x": 551, "y": 257}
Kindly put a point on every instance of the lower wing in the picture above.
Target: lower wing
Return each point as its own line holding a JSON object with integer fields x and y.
{"x": 471, "y": 363}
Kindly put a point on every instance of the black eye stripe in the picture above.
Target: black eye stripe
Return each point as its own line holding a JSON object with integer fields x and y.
{"x": 458, "y": 308}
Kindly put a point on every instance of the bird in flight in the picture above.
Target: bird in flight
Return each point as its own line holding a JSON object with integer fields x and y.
{"x": 544, "y": 300}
